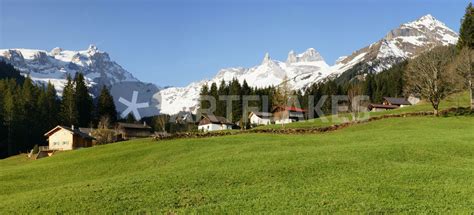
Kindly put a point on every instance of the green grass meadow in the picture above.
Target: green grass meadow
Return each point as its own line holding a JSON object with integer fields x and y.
{"x": 453, "y": 101}
{"x": 396, "y": 165}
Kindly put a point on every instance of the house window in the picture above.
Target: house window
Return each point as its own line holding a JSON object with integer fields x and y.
{"x": 64, "y": 142}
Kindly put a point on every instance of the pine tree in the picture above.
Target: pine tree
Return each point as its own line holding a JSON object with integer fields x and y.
{"x": 49, "y": 106}
{"x": 204, "y": 103}
{"x": 106, "y": 106}
{"x": 83, "y": 99}
{"x": 213, "y": 91}
{"x": 466, "y": 33}
{"x": 130, "y": 118}
{"x": 221, "y": 105}
{"x": 27, "y": 114}
{"x": 235, "y": 90}
{"x": 52, "y": 104}
{"x": 370, "y": 87}
{"x": 247, "y": 91}
{"x": 10, "y": 120}
{"x": 3, "y": 129}
{"x": 68, "y": 113}
{"x": 466, "y": 41}
{"x": 7, "y": 71}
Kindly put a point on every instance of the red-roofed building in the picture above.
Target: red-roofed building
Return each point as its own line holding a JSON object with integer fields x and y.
{"x": 285, "y": 115}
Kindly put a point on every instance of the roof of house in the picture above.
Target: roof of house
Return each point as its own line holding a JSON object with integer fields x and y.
{"x": 86, "y": 130}
{"x": 133, "y": 125}
{"x": 217, "y": 119}
{"x": 382, "y": 106}
{"x": 287, "y": 108}
{"x": 73, "y": 131}
{"x": 397, "y": 101}
{"x": 262, "y": 114}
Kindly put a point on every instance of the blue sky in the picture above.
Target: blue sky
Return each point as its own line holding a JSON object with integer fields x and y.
{"x": 175, "y": 42}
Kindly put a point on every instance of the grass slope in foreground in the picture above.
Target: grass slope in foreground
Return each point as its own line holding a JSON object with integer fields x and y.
{"x": 413, "y": 164}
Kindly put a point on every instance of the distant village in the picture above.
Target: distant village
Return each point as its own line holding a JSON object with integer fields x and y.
{"x": 63, "y": 138}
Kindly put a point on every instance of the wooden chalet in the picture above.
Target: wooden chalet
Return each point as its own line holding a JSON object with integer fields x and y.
{"x": 400, "y": 102}
{"x": 128, "y": 131}
{"x": 389, "y": 103}
{"x": 63, "y": 138}
{"x": 381, "y": 107}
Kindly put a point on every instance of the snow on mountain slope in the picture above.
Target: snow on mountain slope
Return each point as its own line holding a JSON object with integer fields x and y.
{"x": 307, "y": 68}
{"x": 302, "y": 70}
{"x": 55, "y": 65}
{"x": 406, "y": 41}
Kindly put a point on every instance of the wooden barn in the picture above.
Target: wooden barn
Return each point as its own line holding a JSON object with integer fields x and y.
{"x": 389, "y": 103}
{"x": 128, "y": 131}
{"x": 400, "y": 102}
{"x": 381, "y": 107}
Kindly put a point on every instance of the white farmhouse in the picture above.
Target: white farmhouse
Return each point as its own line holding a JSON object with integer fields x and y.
{"x": 260, "y": 118}
{"x": 214, "y": 123}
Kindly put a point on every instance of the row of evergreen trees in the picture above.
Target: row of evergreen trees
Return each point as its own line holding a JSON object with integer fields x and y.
{"x": 234, "y": 88}
{"x": 376, "y": 86}
{"x": 77, "y": 106}
{"x": 28, "y": 110}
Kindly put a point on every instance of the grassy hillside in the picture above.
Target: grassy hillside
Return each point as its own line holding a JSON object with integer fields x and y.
{"x": 392, "y": 165}
{"x": 456, "y": 100}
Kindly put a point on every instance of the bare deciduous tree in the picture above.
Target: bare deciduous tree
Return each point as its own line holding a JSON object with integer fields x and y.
{"x": 464, "y": 65}
{"x": 103, "y": 134}
{"x": 160, "y": 122}
{"x": 281, "y": 98}
{"x": 354, "y": 91}
{"x": 356, "y": 103}
{"x": 430, "y": 75}
{"x": 104, "y": 123}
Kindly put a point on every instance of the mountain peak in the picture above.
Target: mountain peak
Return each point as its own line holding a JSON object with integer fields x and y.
{"x": 56, "y": 51}
{"x": 424, "y": 30}
{"x": 310, "y": 55}
{"x": 92, "y": 49}
{"x": 291, "y": 57}
{"x": 427, "y": 17}
{"x": 266, "y": 59}
{"x": 426, "y": 22}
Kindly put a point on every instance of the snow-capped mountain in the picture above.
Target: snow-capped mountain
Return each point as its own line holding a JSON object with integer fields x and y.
{"x": 55, "y": 65}
{"x": 301, "y": 70}
{"x": 404, "y": 42}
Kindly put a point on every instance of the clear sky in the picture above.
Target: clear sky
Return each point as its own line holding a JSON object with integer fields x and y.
{"x": 175, "y": 42}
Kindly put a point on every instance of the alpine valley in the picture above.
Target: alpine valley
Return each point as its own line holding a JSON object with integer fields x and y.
{"x": 302, "y": 70}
